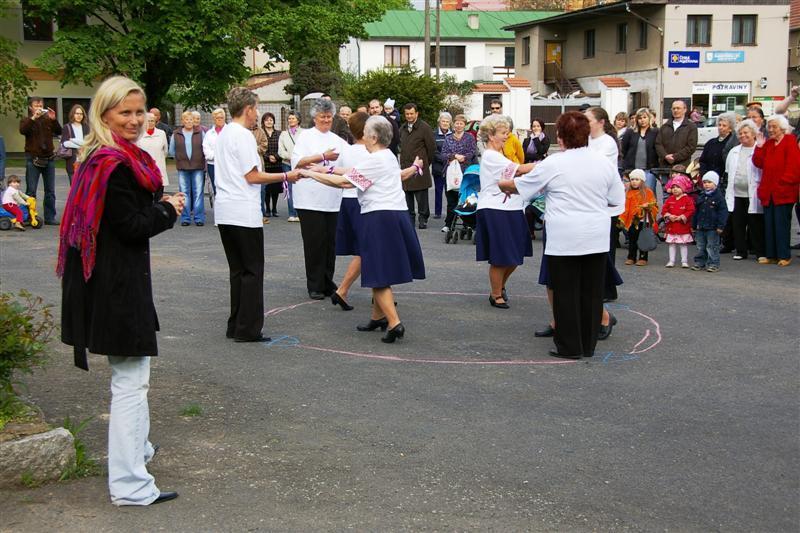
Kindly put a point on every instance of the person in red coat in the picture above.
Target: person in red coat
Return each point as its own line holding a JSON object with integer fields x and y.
{"x": 778, "y": 157}
{"x": 677, "y": 213}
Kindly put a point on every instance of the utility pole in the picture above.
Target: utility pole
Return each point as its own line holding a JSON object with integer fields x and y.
{"x": 427, "y": 59}
{"x": 438, "y": 37}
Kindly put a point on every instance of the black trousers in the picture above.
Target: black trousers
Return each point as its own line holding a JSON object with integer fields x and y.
{"x": 746, "y": 225}
{"x": 452, "y": 203}
{"x": 610, "y": 291}
{"x": 318, "y": 229}
{"x": 244, "y": 249}
{"x": 633, "y": 236}
{"x": 577, "y": 283}
{"x": 421, "y": 197}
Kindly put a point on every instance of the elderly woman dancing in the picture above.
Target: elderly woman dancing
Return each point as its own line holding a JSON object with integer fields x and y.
{"x": 503, "y": 238}
{"x": 580, "y": 186}
{"x": 390, "y": 251}
{"x": 318, "y": 205}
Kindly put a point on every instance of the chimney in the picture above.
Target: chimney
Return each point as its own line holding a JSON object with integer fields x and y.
{"x": 473, "y": 22}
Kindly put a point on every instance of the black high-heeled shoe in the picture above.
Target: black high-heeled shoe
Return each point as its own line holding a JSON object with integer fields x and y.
{"x": 372, "y": 325}
{"x": 504, "y": 294}
{"x": 338, "y": 300}
{"x": 396, "y": 332}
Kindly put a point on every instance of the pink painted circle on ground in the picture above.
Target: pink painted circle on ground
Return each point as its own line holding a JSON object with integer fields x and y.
{"x": 649, "y": 340}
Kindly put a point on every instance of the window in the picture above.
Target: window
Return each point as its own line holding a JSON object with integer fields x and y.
{"x": 35, "y": 28}
{"x": 451, "y": 56}
{"x": 588, "y": 43}
{"x": 509, "y": 57}
{"x": 744, "y": 29}
{"x": 698, "y": 30}
{"x": 643, "y": 35}
{"x": 526, "y": 50}
{"x": 622, "y": 38}
{"x": 70, "y": 19}
{"x": 395, "y": 56}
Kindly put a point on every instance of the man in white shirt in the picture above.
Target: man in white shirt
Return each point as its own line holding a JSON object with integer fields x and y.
{"x": 237, "y": 214}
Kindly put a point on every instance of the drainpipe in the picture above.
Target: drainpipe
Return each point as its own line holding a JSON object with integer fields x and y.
{"x": 660, "y": 76}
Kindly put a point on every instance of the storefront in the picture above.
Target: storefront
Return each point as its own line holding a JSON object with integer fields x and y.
{"x": 717, "y": 98}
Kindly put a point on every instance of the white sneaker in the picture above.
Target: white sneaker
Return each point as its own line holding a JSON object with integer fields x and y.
{"x": 292, "y": 219}
{"x": 669, "y": 265}
{"x": 445, "y": 229}
{"x": 737, "y": 257}
{"x": 684, "y": 265}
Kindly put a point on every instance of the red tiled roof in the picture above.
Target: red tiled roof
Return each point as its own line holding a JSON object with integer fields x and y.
{"x": 614, "y": 83}
{"x": 794, "y": 15}
{"x": 490, "y": 88}
{"x": 257, "y": 83}
{"x": 517, "y": 82}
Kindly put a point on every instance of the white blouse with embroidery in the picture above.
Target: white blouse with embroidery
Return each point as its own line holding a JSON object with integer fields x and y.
{"x": 377, "y": 178}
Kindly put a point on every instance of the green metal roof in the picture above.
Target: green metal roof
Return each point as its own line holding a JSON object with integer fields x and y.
{"x": 410, "y": 24}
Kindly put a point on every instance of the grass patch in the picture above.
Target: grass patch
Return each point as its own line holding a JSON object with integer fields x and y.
{"x": 84, "y": 466}
{"x": 192, "y": 409}
{"x": 28, "y": 480}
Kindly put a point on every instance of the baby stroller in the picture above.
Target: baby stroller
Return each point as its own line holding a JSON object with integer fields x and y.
{"x": 463, "y": 224}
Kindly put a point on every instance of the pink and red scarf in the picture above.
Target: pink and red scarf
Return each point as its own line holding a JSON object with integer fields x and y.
{"x": 84, "y": 209}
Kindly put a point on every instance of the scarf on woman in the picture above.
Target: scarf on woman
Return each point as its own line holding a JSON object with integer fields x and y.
{"x": 532, "y": 145}
{"x": 84, "y": 209}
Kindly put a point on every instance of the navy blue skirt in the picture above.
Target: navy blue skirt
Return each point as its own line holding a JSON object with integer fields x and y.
{"x": 390, "y": 251}
{"x": 502, "y": 237}
{"x": 544, "y": 272}
{"x": 348, "y": 226}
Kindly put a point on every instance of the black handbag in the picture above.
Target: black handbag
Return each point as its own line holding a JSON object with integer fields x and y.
{"x": 646, "y": 242}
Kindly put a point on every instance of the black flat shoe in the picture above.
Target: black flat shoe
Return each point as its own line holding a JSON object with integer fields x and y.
{"x": 396, "y": 332}
{"x": 605, "y": 331}
{"x": 165, "y": 497}
{"x": 372, "y": 325}
{"x": 184, "y": 224}
{"x": 316, "y": 295}
{"x": 260, "y": 338}
{"x": 338, "y": 300}
{"x": 494, "y": 303}
{"x": 554, "y": 353}
{"x": 546, "y": 332}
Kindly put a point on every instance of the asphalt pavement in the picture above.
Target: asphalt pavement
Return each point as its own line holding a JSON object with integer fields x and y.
{"x": 685, "y": 420}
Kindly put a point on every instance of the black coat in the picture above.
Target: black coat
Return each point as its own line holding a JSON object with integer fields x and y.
{"x": 113, "y": 313}
{"x": 629, "y": 144}
{"x": 541, "y": 149}
{"x": 439, "y": 163}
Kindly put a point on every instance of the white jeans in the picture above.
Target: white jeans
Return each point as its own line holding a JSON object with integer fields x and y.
{"x": 129, "y": 449}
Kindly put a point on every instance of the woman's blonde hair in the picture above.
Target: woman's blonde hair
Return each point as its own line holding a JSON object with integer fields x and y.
{"x": 490, "y": 124}
{"x": 109, "y": 95}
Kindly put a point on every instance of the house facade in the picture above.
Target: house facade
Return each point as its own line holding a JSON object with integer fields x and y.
{"x": 34, "y": 36}
{"x": 793, "y": 73}
{"x": 474, "y": 45}
{"x": 715, "y": 56}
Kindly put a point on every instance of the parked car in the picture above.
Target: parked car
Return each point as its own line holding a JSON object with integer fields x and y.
{"x": 707, "y": 131}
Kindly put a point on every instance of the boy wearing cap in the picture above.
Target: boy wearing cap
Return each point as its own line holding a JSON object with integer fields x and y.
{"x": 710, "y": 215}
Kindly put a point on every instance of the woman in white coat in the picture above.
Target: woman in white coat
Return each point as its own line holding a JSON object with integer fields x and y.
{"x": 154, "y": 142}
{"x": 741, "y": 195}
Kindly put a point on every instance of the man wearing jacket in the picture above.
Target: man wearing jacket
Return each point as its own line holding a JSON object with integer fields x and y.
{"x": 417, "y": 140}
{"x": 677, "y": 138}
{"x": 39, "y": 128}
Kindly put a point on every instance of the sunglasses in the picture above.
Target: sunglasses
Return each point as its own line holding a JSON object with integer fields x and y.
{"x": 496, "y": 108}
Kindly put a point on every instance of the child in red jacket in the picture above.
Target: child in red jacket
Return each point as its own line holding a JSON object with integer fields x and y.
{"x": 677, "y": 212}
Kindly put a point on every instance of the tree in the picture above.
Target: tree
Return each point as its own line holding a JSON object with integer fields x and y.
{"x": 547, "y": 5}
{"x": 403, "y": 85}
{"x": 14, "y": 84}
{"x": 196, "y": 48}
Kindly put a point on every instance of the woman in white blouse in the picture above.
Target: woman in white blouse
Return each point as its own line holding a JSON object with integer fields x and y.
{"x": 72, "y": 136}
{"x": 502, "y": 235}
{"x": 742, "y": 193}
{"x": 316, "y": 204}
{"x": 390, "y": 251}
{"x": 580, "y": 186}
{"x": 154, "y": 142}
{"x": 285, "y": 148}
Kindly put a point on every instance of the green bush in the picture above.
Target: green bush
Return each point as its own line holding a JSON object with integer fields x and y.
{"x": 403, "y": 85}
{"x": 25, "y": 328}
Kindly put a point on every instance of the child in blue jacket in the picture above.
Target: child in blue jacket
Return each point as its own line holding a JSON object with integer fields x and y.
{"x": 710, "y": 215}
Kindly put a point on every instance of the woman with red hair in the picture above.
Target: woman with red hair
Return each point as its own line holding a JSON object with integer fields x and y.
{"x": 579, "y": 185}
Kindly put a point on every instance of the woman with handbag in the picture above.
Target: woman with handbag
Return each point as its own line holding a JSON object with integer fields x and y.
{"x": 640, "y": 213}
{"x": 72, "y": 136}
{"x": 459, "y": 147}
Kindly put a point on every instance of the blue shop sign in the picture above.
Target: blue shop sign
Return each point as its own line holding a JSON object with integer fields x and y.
{"x": 679, "y": 59}
{"x": 732, "y": 56}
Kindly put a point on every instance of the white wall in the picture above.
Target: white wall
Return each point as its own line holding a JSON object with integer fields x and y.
{"x": 477, "y": 54}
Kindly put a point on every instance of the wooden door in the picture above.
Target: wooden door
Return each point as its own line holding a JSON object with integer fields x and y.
{"x": 553, "y": 54}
